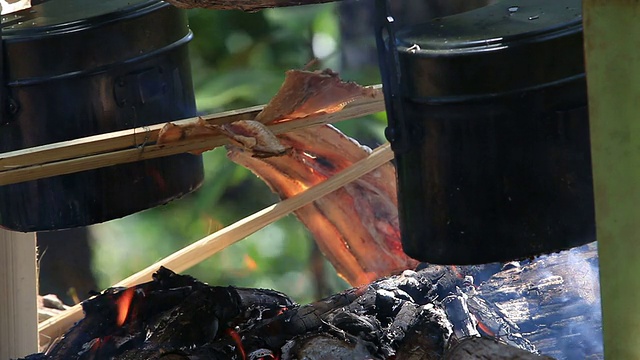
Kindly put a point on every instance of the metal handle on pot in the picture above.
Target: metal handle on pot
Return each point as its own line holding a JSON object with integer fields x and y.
{"x": 389, "y": 70}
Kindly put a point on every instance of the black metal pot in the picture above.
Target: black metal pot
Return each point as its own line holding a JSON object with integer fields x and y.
{"x": 74, "y": 69}
{"x": 488, "y": 121}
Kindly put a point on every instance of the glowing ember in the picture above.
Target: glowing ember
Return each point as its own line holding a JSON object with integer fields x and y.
{"x": 456, "y": 272}
{"x": 124, "y": 304}
{"x": 251, "y": 264}
{"x": 238, "y": 341}
{"x": 485, "y": 329}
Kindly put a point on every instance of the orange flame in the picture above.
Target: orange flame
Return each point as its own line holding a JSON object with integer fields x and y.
{"x": 124, "y": 303}
{"x": 457, "y": 272}
{"x": 236, "y": 338}
{"x": 486, "y": 329}
{"x": 250, "y": 263}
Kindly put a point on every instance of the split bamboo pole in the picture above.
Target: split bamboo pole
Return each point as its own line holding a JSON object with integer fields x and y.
{"x": 612, "y": 53}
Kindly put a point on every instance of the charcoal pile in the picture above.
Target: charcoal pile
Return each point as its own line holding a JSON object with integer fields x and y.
{"x": 543, "y": 306}
{"x": 178, "y": 317}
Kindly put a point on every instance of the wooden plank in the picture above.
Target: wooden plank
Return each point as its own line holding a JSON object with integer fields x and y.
{"x": 210, "y": 245}
{"x": 115, "y": 148}
{"x": 18, "y": 295}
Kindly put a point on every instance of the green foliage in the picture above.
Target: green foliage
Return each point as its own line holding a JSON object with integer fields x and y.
{"x": 238, "y": 60}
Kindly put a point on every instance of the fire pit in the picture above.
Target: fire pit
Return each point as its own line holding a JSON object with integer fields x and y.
{"x": 435, "y": 312}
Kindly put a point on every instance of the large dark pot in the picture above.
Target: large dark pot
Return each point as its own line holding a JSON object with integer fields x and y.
{"x": 74, "y": 69}
{"x": 491, "y": 135}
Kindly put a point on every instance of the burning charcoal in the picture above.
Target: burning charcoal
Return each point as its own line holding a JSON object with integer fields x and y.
{"x": 554, "y": 300}
{"x": 493, "y": 323}
{"x": 437, "y": 312}
{"x": 275, "y": 332}
{"x": 429, "y": 322}
{"x": 154, "y": 354}
{"x": 510, "y": 265}
{"x": 485, "y": 349}
{"x": 325, "y": 347}
{"x": 426, "y": 335}
{"x": 363, "y": 327}
{"x": 191, "y": 324}
{"x": 375, "y": 316}
{"x": 457, "y": 309}
{"x": 162, "y": 318}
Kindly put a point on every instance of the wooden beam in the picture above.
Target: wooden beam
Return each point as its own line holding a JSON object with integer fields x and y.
{"x": 18, "y": 295}
{"x": 138, "y": 144}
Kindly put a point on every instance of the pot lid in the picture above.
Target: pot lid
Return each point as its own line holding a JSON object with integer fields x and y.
{"x": 61, "y": 39}
{"x": 504, "y": 47}
{"x": 53, "y": 15}
{"x": 496, "y": 25}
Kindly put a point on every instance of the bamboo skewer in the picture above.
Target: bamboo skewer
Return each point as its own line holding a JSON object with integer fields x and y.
{"x": 210, "y": 245}
{"x": 131, "y": 145}
{"x": 102, "y": 143}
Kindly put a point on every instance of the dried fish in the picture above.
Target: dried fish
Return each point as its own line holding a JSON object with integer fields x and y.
{"x": 307, "y": 93}
{"x": 356, "y": 227}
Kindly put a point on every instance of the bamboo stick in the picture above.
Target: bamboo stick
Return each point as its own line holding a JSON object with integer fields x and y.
{"x": 129, "y": 145}
{"x": 117, "y": 140}
{"x": 210, "y": 245}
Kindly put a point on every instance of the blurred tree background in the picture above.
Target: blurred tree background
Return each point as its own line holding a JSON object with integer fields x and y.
{"x": 238, "y": 60}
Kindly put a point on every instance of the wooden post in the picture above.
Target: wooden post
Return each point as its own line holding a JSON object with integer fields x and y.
{"x": 18, "y": 295}
{"x": 612, "y": 54}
